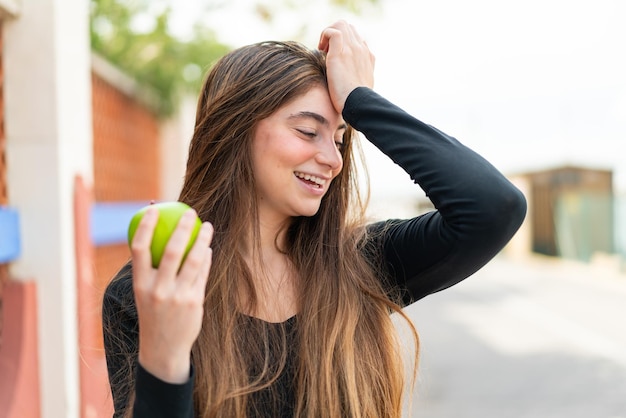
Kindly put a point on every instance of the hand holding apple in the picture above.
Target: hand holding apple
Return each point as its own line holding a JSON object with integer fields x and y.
{"x": 169, "y": 298}
{"x": 169, "y": 215}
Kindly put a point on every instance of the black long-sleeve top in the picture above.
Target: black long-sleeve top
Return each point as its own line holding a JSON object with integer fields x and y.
{"x": 477, "y": 211}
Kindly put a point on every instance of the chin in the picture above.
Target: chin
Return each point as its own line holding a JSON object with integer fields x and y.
{"x": 308, "y": 212}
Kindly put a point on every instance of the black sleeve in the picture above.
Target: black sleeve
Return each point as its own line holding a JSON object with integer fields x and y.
{"x": 153, "y": 397}
{"x": 477, "y": 209}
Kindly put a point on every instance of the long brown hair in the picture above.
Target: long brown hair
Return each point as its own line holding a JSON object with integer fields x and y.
{"x": 347, "y": 357}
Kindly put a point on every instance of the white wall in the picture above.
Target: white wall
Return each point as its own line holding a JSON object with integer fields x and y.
{"x": 49, "y": 141}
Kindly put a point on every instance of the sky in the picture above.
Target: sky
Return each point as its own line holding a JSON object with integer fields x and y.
{"x": 530, "y": 85}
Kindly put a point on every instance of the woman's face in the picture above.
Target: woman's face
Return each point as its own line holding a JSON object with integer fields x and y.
{"x": 296, "y": 155}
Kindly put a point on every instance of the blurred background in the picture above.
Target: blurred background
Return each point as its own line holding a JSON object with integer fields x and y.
{"x": 97, "y": 107}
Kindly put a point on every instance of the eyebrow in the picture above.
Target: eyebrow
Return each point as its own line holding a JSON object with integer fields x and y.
{"x": 315, "y": 116}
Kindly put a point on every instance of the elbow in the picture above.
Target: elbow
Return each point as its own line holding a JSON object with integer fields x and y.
{"x": 509, "y": 211}
{"x": 499, "y": 222}
{"x": 518, "y": 206}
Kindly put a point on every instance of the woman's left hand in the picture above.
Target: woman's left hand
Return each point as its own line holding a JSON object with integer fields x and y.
{"x": 349, "y": 61}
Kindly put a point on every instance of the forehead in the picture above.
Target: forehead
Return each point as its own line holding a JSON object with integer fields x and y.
{"x": 316, "y": 101}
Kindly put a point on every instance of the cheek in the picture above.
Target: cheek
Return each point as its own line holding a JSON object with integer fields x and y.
{"x": 271, "y": 159}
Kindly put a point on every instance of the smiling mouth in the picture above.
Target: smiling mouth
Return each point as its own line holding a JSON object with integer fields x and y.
{"x": 311, "y": 180}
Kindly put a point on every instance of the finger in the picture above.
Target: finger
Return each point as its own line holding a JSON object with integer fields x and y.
{"x": 330, "y": 37}
{"x": 196, "y": 257}
{"x": 350, "y": 33}
{"x": 140, "y": 245}
{"x": 203, "y": 276}
{"x": 322, "y": 45}
{"x": 351, "y": 37}
{"x": 176, "y": 246}
{"x": 344, "y": 29}
{"x": 357, "y": 35}
{"x": 199, "y": 285}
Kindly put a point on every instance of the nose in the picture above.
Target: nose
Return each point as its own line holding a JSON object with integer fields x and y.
{"x": 329, "y": 155}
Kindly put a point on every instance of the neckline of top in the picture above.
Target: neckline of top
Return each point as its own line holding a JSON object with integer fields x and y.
{"x": 287, "y": 321}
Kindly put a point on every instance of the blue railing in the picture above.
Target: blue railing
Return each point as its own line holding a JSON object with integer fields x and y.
{"x": 10, "y": 244}
{"x": 109, "y": 221}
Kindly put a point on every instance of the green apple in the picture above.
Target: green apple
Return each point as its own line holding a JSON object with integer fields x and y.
{"x": 169, "y": 215}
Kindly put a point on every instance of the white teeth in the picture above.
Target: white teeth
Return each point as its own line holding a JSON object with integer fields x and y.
{"x": 320, "y": 182}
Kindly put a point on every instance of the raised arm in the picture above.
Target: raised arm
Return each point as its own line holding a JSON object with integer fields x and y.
{"x": 477, "y": 209}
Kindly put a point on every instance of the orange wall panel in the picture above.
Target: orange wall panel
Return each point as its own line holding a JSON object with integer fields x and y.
{"x": 126, "y": 146}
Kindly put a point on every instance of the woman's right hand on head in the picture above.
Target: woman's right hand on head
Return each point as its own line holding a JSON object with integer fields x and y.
{"x": 349, "y": 61}
{"x": 170, "y": 300}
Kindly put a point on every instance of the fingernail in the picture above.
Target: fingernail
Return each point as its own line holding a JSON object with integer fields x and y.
{"x": 190, "y": 214}
{"x": 151, "y": 213}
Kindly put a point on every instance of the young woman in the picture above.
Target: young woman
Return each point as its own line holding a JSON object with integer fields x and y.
{"x": 282, "y": 307}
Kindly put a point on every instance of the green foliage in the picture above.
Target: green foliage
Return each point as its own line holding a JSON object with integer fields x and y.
{"x": 135, "y": 38}
{"x": 353, "y": 5}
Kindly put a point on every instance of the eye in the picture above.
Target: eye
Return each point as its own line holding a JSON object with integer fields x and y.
{"x": 307, "y": 132}
{"x": 340, "y": 146}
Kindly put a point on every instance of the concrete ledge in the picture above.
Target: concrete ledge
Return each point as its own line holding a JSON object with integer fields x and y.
{"x": 95, "y": 397}
{"x": 19, "y": 361}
